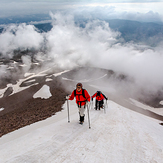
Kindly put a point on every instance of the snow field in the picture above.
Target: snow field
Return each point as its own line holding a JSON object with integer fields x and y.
{"x": 120, "y": 135}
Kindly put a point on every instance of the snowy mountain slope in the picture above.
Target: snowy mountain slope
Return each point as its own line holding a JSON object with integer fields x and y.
{"x": 120, "y": 135}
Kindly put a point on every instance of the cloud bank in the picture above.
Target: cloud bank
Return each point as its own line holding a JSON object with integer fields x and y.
{"x": 68, "y": 45}
{"x": 20, "y": 37}
{"x": 135, "y": 12}
{"x": 148, "y": 11}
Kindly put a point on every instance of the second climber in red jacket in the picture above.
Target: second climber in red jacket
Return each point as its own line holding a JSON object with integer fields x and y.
{"x": 82, "y": 99}
{"x": 99, "y": 99}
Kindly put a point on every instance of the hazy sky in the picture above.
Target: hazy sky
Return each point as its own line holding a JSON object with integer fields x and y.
{"x": 127, "y": 9}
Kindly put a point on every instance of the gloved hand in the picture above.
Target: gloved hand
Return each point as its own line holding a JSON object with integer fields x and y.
{"x": 67, "y": 97}
{"x": 106, "y": 98}
{"x": 92, "y": 99}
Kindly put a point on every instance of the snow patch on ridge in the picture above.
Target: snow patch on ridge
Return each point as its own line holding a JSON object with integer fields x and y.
{"x": 161, "y": 102}
{"x": 44, "y": 92}
{"x": 57, "y": 74}
{"x": 146, "y": 107}
{"x": 1, "y": 109}
{"x": 16, "y": 87}
{"x": 28, "y": 74}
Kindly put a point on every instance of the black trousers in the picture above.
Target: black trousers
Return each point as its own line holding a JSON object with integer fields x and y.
{"x": 99, "y": 104}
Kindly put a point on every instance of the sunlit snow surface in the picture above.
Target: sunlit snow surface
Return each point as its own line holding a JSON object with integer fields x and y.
{"x": 120, "y": 135}
{"x": 117, "y": 136}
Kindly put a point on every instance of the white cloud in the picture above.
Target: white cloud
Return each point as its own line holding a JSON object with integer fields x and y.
{"x": 136, "y": 10}
{"x": 96, "y": 45}
{"x": 20, "y": 37}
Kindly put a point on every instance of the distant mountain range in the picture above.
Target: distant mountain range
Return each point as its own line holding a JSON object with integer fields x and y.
{"x": 25, "y": 19}
{"x": 149, "y": 33}
{"x": 139, "y": 32}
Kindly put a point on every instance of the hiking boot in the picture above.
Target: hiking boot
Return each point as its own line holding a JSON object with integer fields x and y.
{"x": 82, "y": 119}
{"x": 81, "y": 123}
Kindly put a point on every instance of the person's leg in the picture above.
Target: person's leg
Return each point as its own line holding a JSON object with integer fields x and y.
{"x": 96, "y": 105}
{"x": 99, "y": 103}
{"x": 81, "y": 113}
{"x": 79, "y": 116}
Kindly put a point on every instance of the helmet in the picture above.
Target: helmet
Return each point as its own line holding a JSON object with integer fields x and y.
{"x": 79, "y": 84}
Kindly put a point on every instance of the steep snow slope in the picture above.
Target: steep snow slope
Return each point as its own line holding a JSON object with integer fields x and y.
{"x": 120, "y": 135}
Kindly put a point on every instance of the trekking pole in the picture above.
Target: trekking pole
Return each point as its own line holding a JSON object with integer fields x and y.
{"x": 105, "y": 107}
{"x": 107, "y": 103}
{"x": 91, "y": 105}
{"x": 68, "y": 111}
{"x": 88, "y": 117}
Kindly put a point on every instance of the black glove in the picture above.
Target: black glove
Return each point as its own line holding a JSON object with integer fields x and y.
{"x": 106, "y": 98}
{"x": 92, "y": 99}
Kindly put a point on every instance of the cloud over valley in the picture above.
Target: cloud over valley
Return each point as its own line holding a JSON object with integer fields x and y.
{"x": 68, "y": 45}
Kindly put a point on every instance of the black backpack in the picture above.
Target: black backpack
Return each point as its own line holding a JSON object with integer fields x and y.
{"x": 98, "y": 93}
{"x": 83, "y": 94}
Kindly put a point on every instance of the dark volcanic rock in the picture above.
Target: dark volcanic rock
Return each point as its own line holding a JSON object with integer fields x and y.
{"x": 22, "y": 109}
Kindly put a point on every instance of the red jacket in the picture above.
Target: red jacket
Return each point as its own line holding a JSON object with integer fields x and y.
{"x": 98, "y": 98}
{"x": 79, "y": 97}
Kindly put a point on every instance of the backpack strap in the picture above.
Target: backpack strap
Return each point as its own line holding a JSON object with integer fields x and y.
{"x": 75, "y": 92}
{"x": 83, "y": 93}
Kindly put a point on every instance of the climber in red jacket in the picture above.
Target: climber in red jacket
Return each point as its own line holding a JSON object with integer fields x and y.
{"x": 82, "y": 99}
{"x": 99, "y": 99}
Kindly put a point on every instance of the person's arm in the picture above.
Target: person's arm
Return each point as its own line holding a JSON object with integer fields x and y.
{"x": 94, "y": 95}
{"x": 101, "y": 95}
{"x": 87, "y": 96}
{"x": 105, "y": 97}
{"x": 72, "y": 96}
